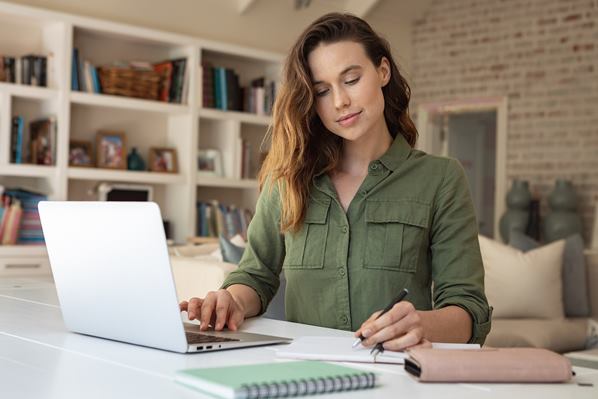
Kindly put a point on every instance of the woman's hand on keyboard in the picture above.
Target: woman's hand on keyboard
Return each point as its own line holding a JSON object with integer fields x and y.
{"x": 218, "y": 309}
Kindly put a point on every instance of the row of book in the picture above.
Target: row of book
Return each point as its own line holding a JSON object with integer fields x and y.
{"x": 29, "y": 69}
{"x": 37, "y": 145}
{"x": 19, "y": 217}
{"x": 221, "y": 90}
{"x": 174, "y": 80}
{"x": 215, "y": 219}
{"x": 84, "y": 75}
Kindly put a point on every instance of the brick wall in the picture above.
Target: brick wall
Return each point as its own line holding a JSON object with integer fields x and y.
{"x": 542, "y": 55}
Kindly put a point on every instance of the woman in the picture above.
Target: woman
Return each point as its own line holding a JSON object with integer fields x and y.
{"x": 351, "y": 212}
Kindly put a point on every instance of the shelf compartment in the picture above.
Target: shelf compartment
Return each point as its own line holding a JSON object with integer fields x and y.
{"x": 124, "y": 176}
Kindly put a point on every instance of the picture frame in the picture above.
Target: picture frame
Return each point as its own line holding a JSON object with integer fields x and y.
{"x": 209, "y": 162}
{"x": 42, "y": 141}
{"x": 111, "y": 150}
{"x": 163, "y": 160}
{"x": 80, "y": 153}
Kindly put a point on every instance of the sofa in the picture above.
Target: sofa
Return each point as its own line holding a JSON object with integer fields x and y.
{"x": 200, "y": 269}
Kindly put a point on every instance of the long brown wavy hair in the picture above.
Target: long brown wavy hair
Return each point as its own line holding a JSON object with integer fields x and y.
{"x": 301, "y": 146}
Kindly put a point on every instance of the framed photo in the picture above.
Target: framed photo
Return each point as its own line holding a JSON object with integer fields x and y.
{"x": 80, "y": 153}
{"x": 209, "y": 162}
{"x": 111, "y": 150}
{"x": 163, "y": 160}
{"x": 42, "y": 142}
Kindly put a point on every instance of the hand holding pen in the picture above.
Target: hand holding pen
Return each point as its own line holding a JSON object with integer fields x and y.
{"x": 397, "y": 327}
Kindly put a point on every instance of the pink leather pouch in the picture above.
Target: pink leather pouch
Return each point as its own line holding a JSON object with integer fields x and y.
{"x": 488, "y": 365}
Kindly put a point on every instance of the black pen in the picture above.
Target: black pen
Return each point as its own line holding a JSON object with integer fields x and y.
{"x": 398, "y": 299}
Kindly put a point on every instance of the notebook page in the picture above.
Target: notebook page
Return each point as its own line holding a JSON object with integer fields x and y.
{"x": 337, "y": 349}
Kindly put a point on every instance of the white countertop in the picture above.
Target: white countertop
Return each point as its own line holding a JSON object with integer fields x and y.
{"x": 39, "y": 358}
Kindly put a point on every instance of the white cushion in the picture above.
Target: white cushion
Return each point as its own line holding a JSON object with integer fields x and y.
{"x": 520, "y": 285}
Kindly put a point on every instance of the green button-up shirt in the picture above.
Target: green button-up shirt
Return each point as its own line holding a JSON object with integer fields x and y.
{"x": 411, "y": 225}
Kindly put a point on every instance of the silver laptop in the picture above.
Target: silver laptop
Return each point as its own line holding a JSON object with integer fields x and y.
{"x": 113, "y": 277}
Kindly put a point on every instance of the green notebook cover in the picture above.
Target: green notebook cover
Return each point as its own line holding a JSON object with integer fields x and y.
{"x": 276, "y": 379}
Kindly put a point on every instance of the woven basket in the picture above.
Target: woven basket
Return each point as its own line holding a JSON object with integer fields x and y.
{"x": 130, "y": 82}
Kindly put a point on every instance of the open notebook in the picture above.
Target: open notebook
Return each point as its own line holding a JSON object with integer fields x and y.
{"x": 340, "y": 349}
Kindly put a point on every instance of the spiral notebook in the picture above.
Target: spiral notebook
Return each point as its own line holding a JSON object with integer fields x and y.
{"x": 275, "y": 380}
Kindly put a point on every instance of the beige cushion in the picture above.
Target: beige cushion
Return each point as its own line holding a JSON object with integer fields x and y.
{"x": 521, "y": 284}
{"x": 195, "y": 277}
{"x": 558, "y": 335}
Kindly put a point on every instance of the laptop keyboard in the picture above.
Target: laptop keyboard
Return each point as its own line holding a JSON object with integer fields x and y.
{"x": 197, "y": 338}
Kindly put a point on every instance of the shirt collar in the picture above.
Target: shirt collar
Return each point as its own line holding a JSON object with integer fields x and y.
{"x": 398, "y": 151}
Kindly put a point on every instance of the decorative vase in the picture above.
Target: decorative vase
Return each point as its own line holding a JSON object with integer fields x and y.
{"x": 533, "y": 225}
{"x": 563, "y": 220}
{"x": 134, "y": 160}
{"x": 516, "y": 217}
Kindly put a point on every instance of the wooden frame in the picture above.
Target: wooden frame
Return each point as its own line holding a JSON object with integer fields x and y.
{"x": 80, "y": 153}
{"x": 111, "y": 150}
{"x": 42, "y": 141}
{"x": 163, "y": 160}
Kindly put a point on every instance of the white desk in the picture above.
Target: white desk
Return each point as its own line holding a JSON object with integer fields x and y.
{"x": 40, "y": 359}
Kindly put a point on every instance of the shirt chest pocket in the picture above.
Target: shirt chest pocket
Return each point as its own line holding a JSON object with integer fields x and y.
{"x": 305, "y": 249}
{"x": 396, "y": 234}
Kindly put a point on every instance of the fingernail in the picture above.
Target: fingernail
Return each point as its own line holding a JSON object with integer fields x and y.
{"x": 191, "y": 315}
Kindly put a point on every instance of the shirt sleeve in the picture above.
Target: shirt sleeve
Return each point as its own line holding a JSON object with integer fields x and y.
{"x": 457, "y": 268}
{"x": 260, "y": 266}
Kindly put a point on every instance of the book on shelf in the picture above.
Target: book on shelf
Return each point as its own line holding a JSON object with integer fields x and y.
{"x": 91, "y": 83}
{"x": 215, "y": 219}
{"x": 19, "y": 218}
{"x": 174, "y": 80}
{"x": 221, "y": 89}
{"x": 34, "y": 70}
{"x": 17, "y": 141}
{"x": 29, "y": 69}
{"x": 8, "y": 72}
{"x": 207, "y": 85}
{"x": 84, "y": 75}
{"x": 246, "y": 160}
{"x": 75, "y": 79}
{"x": 165, "y": 70}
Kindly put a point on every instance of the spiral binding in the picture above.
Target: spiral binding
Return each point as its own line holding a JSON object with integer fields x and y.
{"x": 311, "y": 386}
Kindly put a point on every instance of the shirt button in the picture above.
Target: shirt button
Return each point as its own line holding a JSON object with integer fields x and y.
{"x": 375, "y": 166}
{"x": 344, "y": 229}
{"x": 341, "y": 271}
{"x": 364, "y": 192}
{"x": 344, "y": 319}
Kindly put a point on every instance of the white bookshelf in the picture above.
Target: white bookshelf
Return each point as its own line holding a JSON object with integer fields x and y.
{"x": 186, "y": 127}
